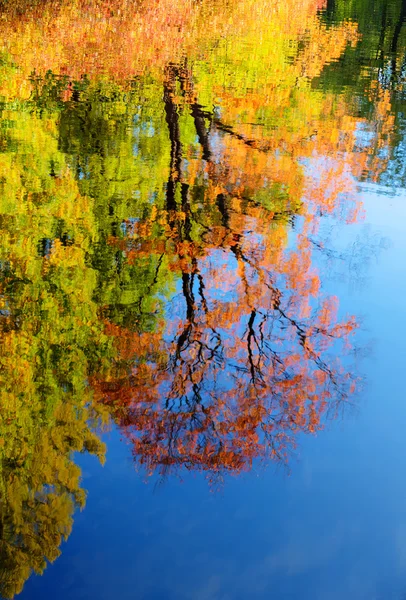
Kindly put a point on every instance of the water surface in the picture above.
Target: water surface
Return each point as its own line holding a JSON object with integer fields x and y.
{"x": 202, "y": 267}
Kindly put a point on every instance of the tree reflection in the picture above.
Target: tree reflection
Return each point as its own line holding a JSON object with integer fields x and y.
{"x": 49, "y": 344}
{"x": 159, "y": 217}
{"x": 247, "y": 358}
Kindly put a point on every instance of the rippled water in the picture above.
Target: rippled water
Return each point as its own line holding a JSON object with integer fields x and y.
{"x": 202, "y": 280}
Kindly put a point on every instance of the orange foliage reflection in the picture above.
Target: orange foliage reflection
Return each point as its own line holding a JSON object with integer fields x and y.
{"x": 247, "y": 354}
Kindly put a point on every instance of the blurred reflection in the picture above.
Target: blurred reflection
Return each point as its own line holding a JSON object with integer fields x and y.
{"x": 161, "y": 206}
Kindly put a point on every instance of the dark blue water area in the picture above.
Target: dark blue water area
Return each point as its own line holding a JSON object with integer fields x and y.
{"x": 331, "y": 526}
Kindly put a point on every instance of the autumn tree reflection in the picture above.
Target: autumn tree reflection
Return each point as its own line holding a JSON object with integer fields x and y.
{"x": 50, "y": 341}
{"x": 160, "y": 206}
{"x": 246, "y": 358}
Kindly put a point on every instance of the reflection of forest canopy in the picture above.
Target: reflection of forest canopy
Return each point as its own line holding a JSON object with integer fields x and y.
{"x": 372, "y": 71}
{"x": 381, "y": 47}
{"x": 144, "y": 266}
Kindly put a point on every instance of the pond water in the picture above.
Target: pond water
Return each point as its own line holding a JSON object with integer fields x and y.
{"x": 202, "y": 283}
